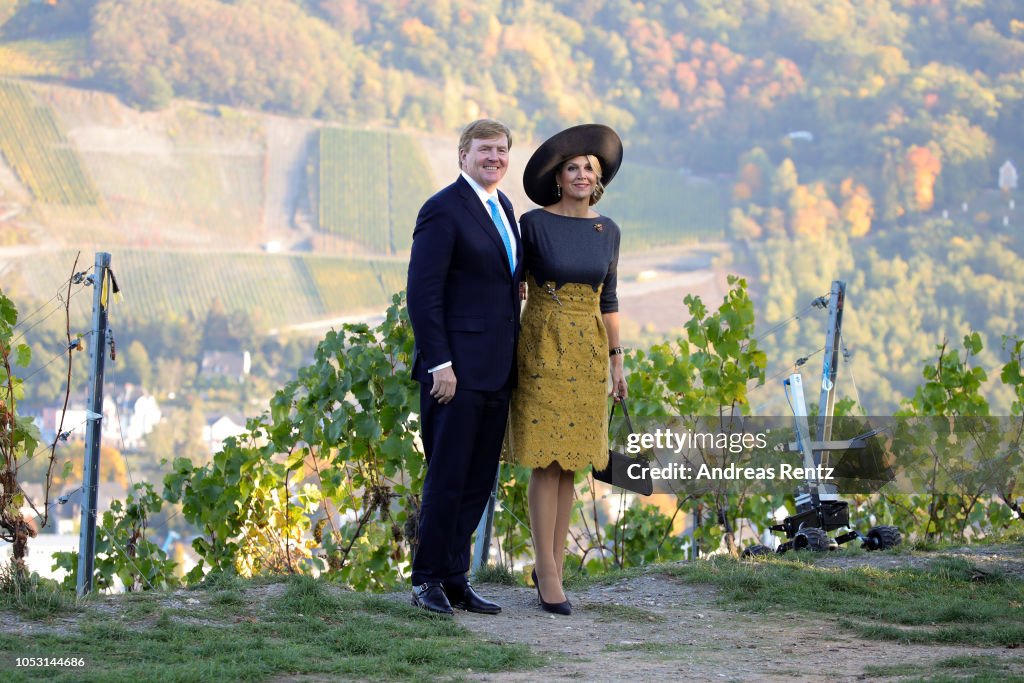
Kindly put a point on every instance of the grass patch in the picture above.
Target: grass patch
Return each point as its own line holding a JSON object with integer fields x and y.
{"x": 31, "y": 596}
{"x": 311, "y": 628}
{"x": 496, "y": 574}
{"x": 141, "y": 605}
{"x": 963, "y": 667}
{"x": 654, "y": 648}
{"x": 614, "y": 612}
{"x": 948, "y": 602}
{"x": 221, "y": 580}
{"x": 229, "y": 598}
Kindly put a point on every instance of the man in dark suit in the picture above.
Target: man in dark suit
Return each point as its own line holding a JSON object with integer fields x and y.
{"x": 463, "y": 293}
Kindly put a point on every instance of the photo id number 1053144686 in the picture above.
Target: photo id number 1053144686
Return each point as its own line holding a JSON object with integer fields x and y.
{"x": 49, "y": 662}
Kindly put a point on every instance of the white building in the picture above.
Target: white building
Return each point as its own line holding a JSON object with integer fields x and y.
{"x": 1007, "y": 176}
{"x": 76, "y": 419}
{"x": 144, "y": 417}
{"x": 216, "y": 430}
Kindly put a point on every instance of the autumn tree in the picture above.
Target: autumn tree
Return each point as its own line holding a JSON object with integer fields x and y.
{"x": 753, "y": 178}
{"x": 784, "y": 183}
{"x": 811, "y": 211}
{"x": 858, "y": 209}
{"x": 923, "y": 165}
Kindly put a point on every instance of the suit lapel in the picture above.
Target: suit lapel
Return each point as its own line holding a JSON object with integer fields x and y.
{"x": 476, "y": 209}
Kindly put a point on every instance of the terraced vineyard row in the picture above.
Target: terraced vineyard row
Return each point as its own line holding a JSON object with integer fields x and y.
{"x": 410, "y": 187}
{"x": 40, "y": 155}
{"x": 357, "y": 286}
{"x": 371, "y": 185}
{"x": 276, "y": 290}
{"x": 353, "y": 186}
{"x": 656, "y": 206}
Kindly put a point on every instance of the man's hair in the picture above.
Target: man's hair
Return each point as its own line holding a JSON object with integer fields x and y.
{"x": 595, "y": 164}
{"x": 482, "y": 129}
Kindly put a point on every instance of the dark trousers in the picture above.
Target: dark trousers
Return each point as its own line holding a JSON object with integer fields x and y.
{"x": 462, "y": 442}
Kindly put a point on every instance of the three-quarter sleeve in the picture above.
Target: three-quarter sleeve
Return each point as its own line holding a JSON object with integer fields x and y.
{"x": 609, "y": 297}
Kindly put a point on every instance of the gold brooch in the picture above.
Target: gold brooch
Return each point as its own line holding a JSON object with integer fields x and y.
{"x": 599, "y": 226}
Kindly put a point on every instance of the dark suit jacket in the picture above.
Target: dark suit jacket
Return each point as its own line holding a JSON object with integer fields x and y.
{"x": 463, "y": 301}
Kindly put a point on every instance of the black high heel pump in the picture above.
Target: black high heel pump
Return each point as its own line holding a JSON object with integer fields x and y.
{"x": 563, "y": 608}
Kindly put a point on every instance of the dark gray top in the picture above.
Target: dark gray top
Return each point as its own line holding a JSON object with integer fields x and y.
{"x": 563, "y": 249}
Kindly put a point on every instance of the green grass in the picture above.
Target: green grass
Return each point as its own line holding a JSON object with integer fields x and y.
{"x": 964, "y": 667}
{"x": 641, "y": 647}
{"x": 496, "y": 574}
{"x": 31, "y": 596}
{"x": 304, "y": 627}
{"x": 948, "y": 602}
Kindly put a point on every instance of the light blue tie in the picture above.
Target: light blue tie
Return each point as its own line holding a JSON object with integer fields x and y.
{"x": 496, "y": 217}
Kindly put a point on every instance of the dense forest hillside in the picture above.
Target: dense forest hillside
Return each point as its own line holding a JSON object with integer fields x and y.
{"x": 692, "y": 83}
{"x": 860, "y": 139}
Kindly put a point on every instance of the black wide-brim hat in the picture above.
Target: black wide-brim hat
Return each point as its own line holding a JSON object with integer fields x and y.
{"x": 589, "y": 138}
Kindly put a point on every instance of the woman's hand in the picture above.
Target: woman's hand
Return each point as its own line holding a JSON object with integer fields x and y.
{"x": 619, "y": 388}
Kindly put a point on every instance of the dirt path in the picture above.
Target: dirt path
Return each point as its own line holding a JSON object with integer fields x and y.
{"x": 287, "y": 147}
{"x": 656, "y": 627}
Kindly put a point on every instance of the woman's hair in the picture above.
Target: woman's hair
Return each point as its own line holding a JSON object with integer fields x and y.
{"x": 482, "y": 129}
{"x": 595, "y": 163}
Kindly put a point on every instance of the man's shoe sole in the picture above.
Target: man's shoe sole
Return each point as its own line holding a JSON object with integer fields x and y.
{"x": 477, "y": 611}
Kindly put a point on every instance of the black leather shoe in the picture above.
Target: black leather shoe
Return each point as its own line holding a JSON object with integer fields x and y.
{"x": 430, "y": 596}
{"x": 469, "y": 600}
{"x": 563, "y": 608}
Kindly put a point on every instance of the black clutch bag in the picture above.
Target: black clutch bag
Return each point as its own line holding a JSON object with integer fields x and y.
{"x": 618, "y": 472}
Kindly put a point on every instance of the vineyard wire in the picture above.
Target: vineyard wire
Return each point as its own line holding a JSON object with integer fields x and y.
{"x": 62, "y": 500}
{"x": 795, "y": 316}
{"x": 63, "y": 303}
{"x": 35, "y": 372}
{"x": 799, "y": 362}
{"x": 26, "y": 318}
{"x": 63, "y": 436}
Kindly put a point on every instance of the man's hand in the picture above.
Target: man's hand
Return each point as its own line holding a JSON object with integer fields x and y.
{"x": 444, "y": 385}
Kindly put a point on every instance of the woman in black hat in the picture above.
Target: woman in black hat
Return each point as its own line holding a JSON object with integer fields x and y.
{"x": 570, "y": 336}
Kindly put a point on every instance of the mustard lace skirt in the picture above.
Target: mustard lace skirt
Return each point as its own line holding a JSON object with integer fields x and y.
{"x": 559, "y": 409}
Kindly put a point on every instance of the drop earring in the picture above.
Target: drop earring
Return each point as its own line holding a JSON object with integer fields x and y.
{"x": 558, "y": 189}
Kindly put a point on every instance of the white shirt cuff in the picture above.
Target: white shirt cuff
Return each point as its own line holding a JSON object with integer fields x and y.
{"x": 442, "y": 366}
